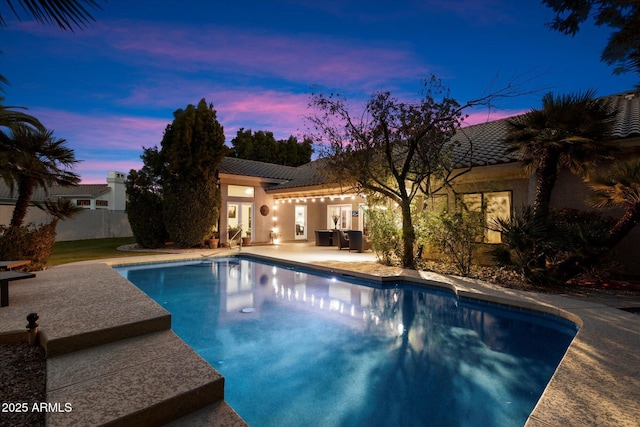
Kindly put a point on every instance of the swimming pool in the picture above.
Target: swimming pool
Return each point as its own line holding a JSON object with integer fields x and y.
{"x": 300, "y": 347}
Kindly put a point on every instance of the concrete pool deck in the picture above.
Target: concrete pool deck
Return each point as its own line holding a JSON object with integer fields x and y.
{"x": 112, "y": 355}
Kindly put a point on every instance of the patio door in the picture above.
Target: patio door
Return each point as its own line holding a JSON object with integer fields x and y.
{"x": 339, "y": 216}
{"x": 240, "y": 214}
{"x": 300, "y": 216}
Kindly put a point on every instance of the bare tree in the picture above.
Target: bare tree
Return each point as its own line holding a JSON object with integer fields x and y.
{"x": 394, "y": 149}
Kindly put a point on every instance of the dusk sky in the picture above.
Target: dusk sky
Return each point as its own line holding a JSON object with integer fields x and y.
{"x": 112, "y": 88}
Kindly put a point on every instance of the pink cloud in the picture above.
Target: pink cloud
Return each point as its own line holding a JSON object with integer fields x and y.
{"x": 476, "y": 117}
{"x": 255, "y": 108}
{"x": 280, "y": 113}
{"x": 96, "y": 130}
{"x": 95, "y": 171}
{"x": 294, "y": 58}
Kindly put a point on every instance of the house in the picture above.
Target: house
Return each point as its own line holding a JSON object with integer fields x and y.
{"x": 105, "y": 206}
{"x": 283, "y": 203}
{"x": 274, "y": 202}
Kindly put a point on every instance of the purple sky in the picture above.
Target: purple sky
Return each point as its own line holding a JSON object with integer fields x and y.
{"x": 112, "y": 88}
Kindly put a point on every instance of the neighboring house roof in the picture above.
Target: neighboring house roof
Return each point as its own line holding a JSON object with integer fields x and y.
{"x": 39, "y": 194}
{"x": 79, "y": 191}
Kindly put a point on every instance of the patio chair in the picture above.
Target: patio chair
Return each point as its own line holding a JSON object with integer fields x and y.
{"x": 341, "y": 238}
{"x": 357, "y": 242}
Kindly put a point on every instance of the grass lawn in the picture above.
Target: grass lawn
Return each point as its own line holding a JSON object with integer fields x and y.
{"x": 84, "y": 250}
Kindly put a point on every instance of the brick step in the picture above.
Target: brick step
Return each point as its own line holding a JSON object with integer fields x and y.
{"x": 147, "y": 380}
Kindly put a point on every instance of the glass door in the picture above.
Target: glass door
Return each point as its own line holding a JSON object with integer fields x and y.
{"x": 240, "y": 215}
{"x": 300, "y": 222}
{"x": 339, "y": 216}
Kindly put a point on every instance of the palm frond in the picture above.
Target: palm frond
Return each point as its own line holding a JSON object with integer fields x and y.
{"x": 617, "y": 186}
{"x": 66, "y": 14}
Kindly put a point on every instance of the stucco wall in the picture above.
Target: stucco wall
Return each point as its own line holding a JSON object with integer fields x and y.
{"x": 89, "y": 224}
{"x": 316, "y": 216}
{"x": 262, "y": 224}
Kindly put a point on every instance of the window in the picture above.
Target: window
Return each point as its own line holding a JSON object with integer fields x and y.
{"x": 495, "y": 204}
{"x": 240, "y": 191}
{"x": 102, "y": 203}
{"x": 339, "y": 216}
{"x": 437, "y": 203}
{"x": 83, "y": 202}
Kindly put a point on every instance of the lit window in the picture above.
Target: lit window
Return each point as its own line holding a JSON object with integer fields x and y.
{"x": 83, "y": 202}
{"x": 339, "y": 216}
{"x": 102, "y": 203}
{"x": 240, "y": 191}
{"x": 496, "y": 205}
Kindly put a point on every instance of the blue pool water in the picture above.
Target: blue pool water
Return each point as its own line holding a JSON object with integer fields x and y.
{"x": 317, "y": 350}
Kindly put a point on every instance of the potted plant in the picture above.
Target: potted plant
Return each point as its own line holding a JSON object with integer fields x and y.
{"x": 214, "y": 240}
{"x": 246, "y": 240}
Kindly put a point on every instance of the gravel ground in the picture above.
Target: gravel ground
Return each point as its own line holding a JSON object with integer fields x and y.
{"x": 22, "y": 383}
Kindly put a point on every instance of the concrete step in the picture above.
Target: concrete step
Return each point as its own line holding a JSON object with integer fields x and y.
{"x": 147, "y": 380}
{"x": 218, "y": 414}
{"x": 85, "y": 306}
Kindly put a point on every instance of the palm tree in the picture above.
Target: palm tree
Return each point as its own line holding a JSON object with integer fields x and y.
{"x": 66, "y": 14}
{"x": 37, "y": 159}
{"x": 9, "y": 117}
{"x": 568, "y": 131}
{"x": 60, "y": 209}
{"x": 619, "y": 186}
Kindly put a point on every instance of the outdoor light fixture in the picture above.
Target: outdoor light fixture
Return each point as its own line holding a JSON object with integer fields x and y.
{"x": 320, "y": 197}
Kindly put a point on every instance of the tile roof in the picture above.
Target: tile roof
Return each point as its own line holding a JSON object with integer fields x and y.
{"x": 234, "y": 166}
{"x": 312, "y": 173}
{"x": 483, "y": 144}
{"x": 628, "y": 119}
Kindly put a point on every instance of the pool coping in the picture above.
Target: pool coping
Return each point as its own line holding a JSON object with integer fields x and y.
{"x": 596, "y": 383}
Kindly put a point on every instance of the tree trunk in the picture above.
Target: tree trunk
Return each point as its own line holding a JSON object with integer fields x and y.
{"x": 408, "y": 235}
{"x": 25, "y": 191}
{"x": 547, "y": 174}
{"x": 624, "y": 225}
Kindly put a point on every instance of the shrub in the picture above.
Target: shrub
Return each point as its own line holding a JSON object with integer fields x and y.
{"x": 385, "y": 234}
{"x": 526, "y": 243}
{"x": 31, "y": 242}
{"x": 144, "y": 208}
{"x": 455, "y": 235}
{"x": 586, "y": 240}
{"x": 191, "y": 211}
{"x": 555, "y": 248}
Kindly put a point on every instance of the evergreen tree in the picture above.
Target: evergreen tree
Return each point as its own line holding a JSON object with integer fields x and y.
{"x": 263, "y": 147}
{"x": 144, "y": 207}
{"x": 192, "y": 148}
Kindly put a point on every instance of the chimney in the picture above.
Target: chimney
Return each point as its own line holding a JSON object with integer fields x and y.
{"x": 118, "y": 195}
